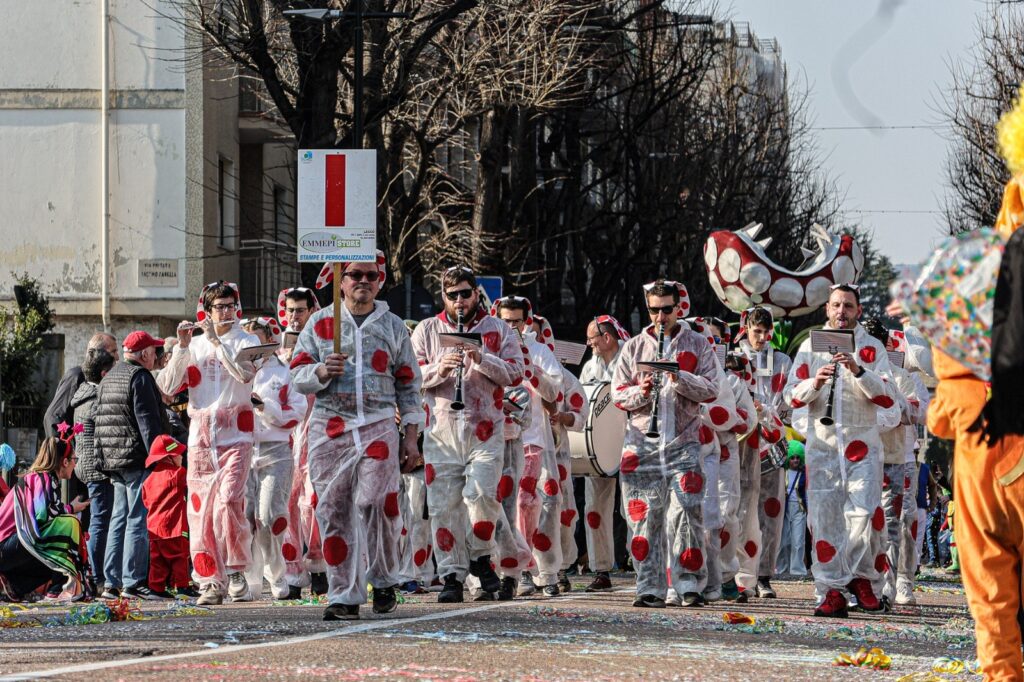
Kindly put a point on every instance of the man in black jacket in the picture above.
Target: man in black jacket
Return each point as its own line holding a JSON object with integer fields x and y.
{"x": 127, "y": 418}
{"x": 60, "y": 409}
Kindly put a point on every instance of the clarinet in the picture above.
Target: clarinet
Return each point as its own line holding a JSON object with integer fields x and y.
{"x": 652, "y": 427}
{"x": 457, "y": 403}
{"x": 827, "y": 419}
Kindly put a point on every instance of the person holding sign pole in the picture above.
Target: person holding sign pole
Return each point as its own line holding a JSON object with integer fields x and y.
{"x": 361, "y": 367}
{"x": 843, "y": 389}
{"x": 663, "y": 375}
{"x": 464, "y": 447}
{"x": 220, "y": 440}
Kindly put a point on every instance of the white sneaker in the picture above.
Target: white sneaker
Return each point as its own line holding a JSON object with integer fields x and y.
{"x": 672, "y": 598}
{"x": 279, "y": 591}
{"x": 526, "y": 585}
{"x": 210, "y": 595}
{"x": 238, "y": 587}
{"x": 905, "y": 593}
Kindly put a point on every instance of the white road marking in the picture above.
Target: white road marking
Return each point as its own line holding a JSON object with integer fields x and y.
{"x": 231, "y": 649}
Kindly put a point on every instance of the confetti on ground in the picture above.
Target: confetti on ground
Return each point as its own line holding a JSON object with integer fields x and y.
{"x": 735, "y": 618}
{"x": 107, "y": 611}
{"x": 873, "y": 658}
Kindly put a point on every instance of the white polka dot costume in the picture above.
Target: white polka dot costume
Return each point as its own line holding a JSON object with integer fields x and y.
{"x": 844, "y": 462}
{"x": 220, "y": 443}
{"x": 571, "y": 401}
{"x": 513, "y": 553}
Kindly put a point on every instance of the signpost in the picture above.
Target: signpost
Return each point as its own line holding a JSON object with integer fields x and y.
{"x": 492, "y": 287}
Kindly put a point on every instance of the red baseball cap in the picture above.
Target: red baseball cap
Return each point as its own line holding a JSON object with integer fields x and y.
{"x": 138, "y": 341}
{"x": 164, "y": 446}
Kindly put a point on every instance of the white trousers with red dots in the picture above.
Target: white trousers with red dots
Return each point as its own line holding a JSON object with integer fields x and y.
{"x": 220, "y": 537}
{"x": 302, "y": 546}
{"x": 729, "y": 496}
{"x": 513, "y": 554}
{"x": 845, "y": 517}
{"x": 662, "y": 492}
{"x": 770, "y": 517}
{"x": 356, "y": 478}
{"x": 462, "y": 474}
{"x": 711, "y": 507}
{"x": 568, "y": 515}
{"x": 747, "y": 545}
{"x": 540, "y": 502}
{"x": 906, "y": 562}
{"x": 599, "y": 501}
{"x": 270, "y": 483}
{"x": 414, "y": 544}
{"x": 899, "y": 503}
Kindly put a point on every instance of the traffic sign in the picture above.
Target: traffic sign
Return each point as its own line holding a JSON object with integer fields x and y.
{"x": 492, "y": 287}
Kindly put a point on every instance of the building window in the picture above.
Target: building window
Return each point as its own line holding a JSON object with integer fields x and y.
{"x": 225, "y": 203}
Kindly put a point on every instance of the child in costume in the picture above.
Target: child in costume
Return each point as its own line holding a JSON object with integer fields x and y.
{"x": 163, "y": 494}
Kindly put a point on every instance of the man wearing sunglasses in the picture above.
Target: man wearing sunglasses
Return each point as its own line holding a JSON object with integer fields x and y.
{"x": 355, "y": 456}
{"x": 662, "y": 483}
{"x": 221, "y": 438}
{"x": 464, "y": 449}
{"x": 844, "y": 459}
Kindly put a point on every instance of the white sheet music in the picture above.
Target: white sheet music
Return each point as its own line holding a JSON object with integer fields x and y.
{"x": 570, "y": 353}
{"x": 832, "y": 341}
{"x": 896, "y": 358}
{"x": 456, "y": 339}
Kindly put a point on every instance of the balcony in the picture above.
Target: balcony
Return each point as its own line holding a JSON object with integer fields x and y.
{"x": 265, "y": 267}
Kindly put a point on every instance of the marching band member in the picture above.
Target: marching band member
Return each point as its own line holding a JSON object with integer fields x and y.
{"x": 539, "y": 489}
{"x": 605, "y": 336}
{"x": 463, "y": 448}
{"x": 569, "y": 412}
{"x": 278, "y": 411}
{"x": 661, "y": 476}
{"x": 220, "y": 440}
{"x": 354, "y": 449}
{"x": 844, "y": 460}
{"x": 770, "y": 368}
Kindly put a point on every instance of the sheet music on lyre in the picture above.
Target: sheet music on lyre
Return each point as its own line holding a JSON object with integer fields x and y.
{"x": 456, "y": 339}
{"x": 897, "y": 358}
{"x": 832, "y": 341}
{"x": 569, "y": 353}
{"x": 721, "y": 350}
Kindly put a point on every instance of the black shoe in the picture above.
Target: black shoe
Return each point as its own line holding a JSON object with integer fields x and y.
{"x": 764, "y": 588}
{"x": 110, "y": 593}
{"x": 163, "y": 594}
{"x": 508, "y": 589}
{"x": 693, "y": 599}
{"x": 342, "y": 612}
{"x": 140, "y": 592}
{"x": 649, "y": 601}
{"x": 318, "y": 583}
{"x": 601, "y": 583}
{"x": 485, "y": 596}
{"x": 294, "y": 592}
{"x": 452, "y": 591}
{"x": 384, "y": 599}
{"x": 190, "y": 592}
{"x": 481, "y": 568}
{"x": 563, "y": 582}
{"x": 551, "y": 590}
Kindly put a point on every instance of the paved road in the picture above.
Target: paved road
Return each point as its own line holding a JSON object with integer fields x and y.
{"x": 573, "y": 637}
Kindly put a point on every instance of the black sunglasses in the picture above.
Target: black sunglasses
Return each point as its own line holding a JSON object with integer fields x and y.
{"x": 667, "y": 309}
{"x": 358, "y": 276}
{"x": 459, "y": 293}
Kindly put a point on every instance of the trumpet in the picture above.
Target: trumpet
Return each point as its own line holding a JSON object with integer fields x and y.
{"x": 827, "y": 420}
{"x": 457, "y": 403}
{"x": 652, "y": 428}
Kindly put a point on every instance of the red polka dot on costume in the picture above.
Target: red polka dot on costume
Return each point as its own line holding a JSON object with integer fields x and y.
{"x": 724, "y": 537}
{"x": 445, "y": 539}
{"x": 803, "y": 372}
{"x": 878, "y": 519}
{"x": 719, "y": 415}
{"x": 691, "y": 482}
{"x": 562, "y": 473}
{"x": 567, "y": 516}
{"x": 551, "y": 487}
{"x": 378, "y": 449}
{"x": 420, "y": 557}
{"x": 391, "y": 505}
{"x": 639, "y": 548}
{"x": 637, "y": 510}
{"x": 483, "y": 530}
{"x": 196, "y": 502}
{"x": 594, "y": 520}
{"x": 541, "y": 542}
{"x": 528, "y": 484}
{"x": 687, "y": 361}
{"x": 824, "y": 551}
{"x": 246, "y": 421}
{"x": 493, "y": 341}
{"x": 300, "y": 359}
{"x": 754, "y": 439}
{"x": 867, "y": 354}
{"x": 547, "y": 333}
{"x": 797, "y": 404}
{"x": 856, "y": 451}
{"x": 280, "y": 523}
{"x": 505, "y": 487}
{"x": 913, "y": 530}
{"x": 691, "y": 559}
{"x": 509, "y": 562}
{"x": 428, "y": 474}
{"x": 484, "y": 430}
{"x": 290, "y": 425}
{"x": 750, "y": 548}
{"x": 499, "y": 398}
{"x": 379, "y": 361}
{"x": 883, "y": 401}
{"x": 778, "y": 383}
{"x": 897, "y": 504}
{"x": 881, "y": 563}
{"x": 906, "y": 483}
{"x": 704, "y": 434}
{"x": 725, "y": 454}
{"x": 772, "y": 507}
{"x": 576, "y": 401}
{"x": 324, "y": 328}
{"x": 335, "y": 550}
{"x": 201, "y": 315}
{"x": 405, "y": 375}
{"x": 314, "y": 500}
{"x": 534, "y": 381}
{"x": 194, "y": 376}
{"x": 204, "y": 564}
{"x": 629, "y": 462}
{"x": 289, "y": 552}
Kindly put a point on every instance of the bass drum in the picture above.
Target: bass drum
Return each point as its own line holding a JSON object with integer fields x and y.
{"x": 597, "y": 449}
{"x": 775, "y": 457}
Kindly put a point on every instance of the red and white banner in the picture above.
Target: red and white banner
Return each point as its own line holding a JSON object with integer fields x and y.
{"x": 337, "y": 205}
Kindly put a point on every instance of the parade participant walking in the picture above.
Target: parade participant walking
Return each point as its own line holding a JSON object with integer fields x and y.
{"x": 569, "y": 412}
{"x": 794, "y": 525}
{"x": 463, "y": 449}
{"x": 844, "y": 459}
{"x": 354, "y": 454}
{"x": 220, "y": 440}
{"x": 164, "y": 494}
{"x": 278, "y": 411}
{"x": 605, "y": 337}
{"x": 127, "y": 418}
{"x": 661, "y": 474}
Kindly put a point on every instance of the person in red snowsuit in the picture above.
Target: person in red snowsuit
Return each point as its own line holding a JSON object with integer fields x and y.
{"x": 163, "y": 494}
